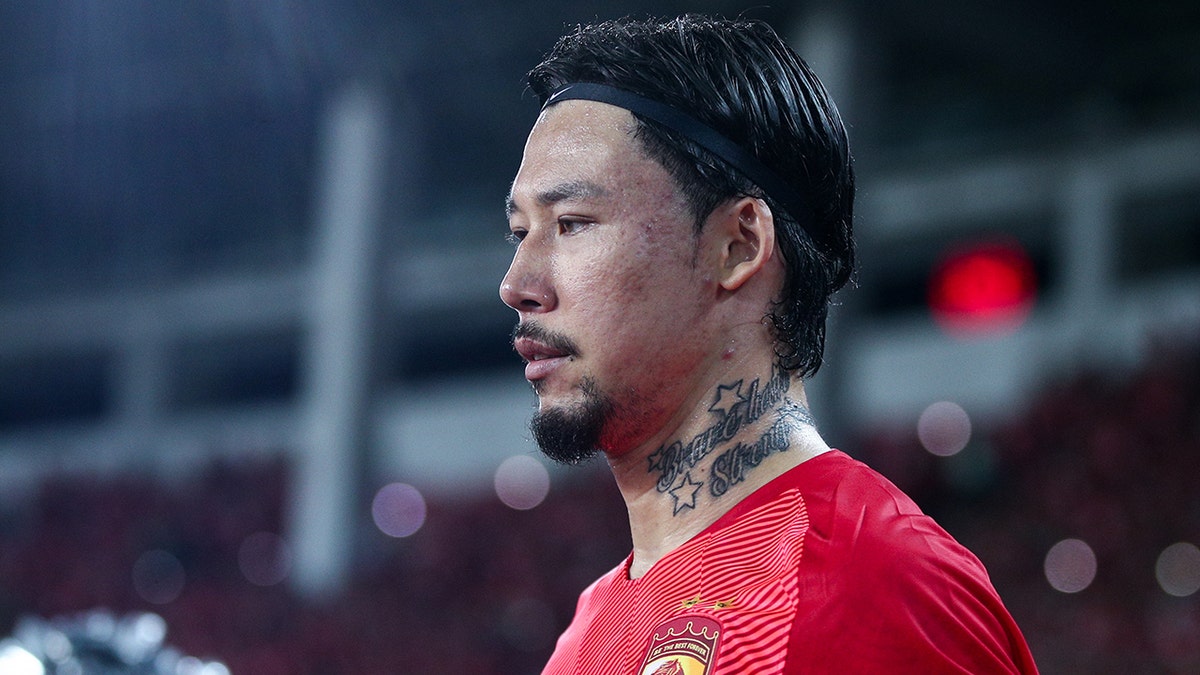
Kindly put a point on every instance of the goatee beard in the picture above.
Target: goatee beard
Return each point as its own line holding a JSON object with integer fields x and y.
{"x": 571, "y": 434}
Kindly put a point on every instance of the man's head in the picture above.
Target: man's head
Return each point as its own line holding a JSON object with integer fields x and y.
{"x": 642, "y": 257}
{"x": 743, "y": 81}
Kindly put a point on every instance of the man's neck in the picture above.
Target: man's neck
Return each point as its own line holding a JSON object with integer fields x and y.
{"x": 746, "y": 431}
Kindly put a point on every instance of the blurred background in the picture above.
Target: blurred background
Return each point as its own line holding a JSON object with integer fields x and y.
{"x": 257, "y": 399}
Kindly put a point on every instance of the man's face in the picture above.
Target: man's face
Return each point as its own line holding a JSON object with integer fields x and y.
{"x": 609, "y": 281}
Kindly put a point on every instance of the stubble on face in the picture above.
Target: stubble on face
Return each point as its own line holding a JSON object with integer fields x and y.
{"x": 571, "y": 434}
{"x": 568, "y": 434}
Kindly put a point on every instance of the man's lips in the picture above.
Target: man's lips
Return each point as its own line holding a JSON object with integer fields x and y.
{"x": 531, "y": 349}
{"x": 541, "y": 358}
{"x": 544, "y": 350}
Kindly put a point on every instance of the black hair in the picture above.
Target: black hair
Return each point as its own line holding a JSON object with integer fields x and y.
{"x": 740, "y": 78}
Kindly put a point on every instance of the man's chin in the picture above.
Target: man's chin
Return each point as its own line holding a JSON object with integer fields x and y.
{"x": 559, "y": 440}
{"x": 570, "y": 432}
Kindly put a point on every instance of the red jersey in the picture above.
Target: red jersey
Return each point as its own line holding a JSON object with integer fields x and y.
{"x": 829, "y": 568}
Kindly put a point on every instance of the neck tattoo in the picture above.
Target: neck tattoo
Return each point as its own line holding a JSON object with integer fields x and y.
{"x": 734, "y": 406}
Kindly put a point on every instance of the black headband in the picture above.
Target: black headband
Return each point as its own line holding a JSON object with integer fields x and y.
{"x": 700, "y": 133}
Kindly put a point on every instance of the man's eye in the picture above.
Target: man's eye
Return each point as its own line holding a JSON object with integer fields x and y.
{"x": 571, "y": 225}
{"x": 515, "y": 237}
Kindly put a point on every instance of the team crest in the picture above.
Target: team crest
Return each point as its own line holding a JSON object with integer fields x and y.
{"x": 686, "y": 645}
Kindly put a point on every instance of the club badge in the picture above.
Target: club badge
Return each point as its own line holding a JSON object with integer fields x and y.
{"x": 686, "y": 645}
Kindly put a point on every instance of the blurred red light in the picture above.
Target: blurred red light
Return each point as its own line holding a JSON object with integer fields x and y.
{"x": 983, "y": 288}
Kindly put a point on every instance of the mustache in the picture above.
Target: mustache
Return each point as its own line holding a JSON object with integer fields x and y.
{"x": 554, "y": 340}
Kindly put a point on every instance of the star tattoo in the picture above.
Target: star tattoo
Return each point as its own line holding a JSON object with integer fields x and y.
{"x": 656, "y": 458}
{"x": 728, "y": 396}
{"x": 684, "y": 493}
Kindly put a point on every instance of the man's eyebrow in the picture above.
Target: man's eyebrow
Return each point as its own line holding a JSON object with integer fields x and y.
{"x": 581, "y": 189}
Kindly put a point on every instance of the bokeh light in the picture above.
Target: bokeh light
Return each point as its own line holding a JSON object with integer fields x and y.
{"x": 522, "y": 482}
{"x": 983, "y": 288}
{"x": 265, "y": 559}
{"x": 1178, "y": 569}
{"x": 144, "y": 631}
{"x": 398, "y": 510}
{"x": 190, "y": 665}
{"x": 158, "y": 577}
{"x": 944, "y": 428}
{"x": 1070, "y": 566}
{"x": 15, "y": 660}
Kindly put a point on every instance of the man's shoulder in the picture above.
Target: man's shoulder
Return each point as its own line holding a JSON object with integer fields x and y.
{"x": 879, "y": 574}
{"x": 838, "y": 502}
{"x": 840, "y": 480}
{"x": 859, "y": 521}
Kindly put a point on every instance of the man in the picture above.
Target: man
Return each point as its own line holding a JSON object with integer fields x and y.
{"x": 682, "y": 215}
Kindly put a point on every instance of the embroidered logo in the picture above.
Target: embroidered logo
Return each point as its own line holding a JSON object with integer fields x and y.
{"x": 686, "y": 645}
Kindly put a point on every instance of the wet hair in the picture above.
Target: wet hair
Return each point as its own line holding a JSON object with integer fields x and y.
{"x": 742, "y": 80}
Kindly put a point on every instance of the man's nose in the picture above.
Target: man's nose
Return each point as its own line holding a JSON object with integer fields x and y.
{"x": 527, "y": 286}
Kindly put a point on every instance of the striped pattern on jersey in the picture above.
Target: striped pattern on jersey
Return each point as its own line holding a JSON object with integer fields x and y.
{"x": 740, "y": 573}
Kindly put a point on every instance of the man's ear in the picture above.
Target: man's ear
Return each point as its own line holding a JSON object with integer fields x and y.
{"x": 747, "y": 239}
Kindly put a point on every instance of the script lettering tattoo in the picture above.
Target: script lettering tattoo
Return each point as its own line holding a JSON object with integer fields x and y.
{"x": 797, "y": 413}
{"x": 730, "y": 467}
{"x": 734, "y": 406}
